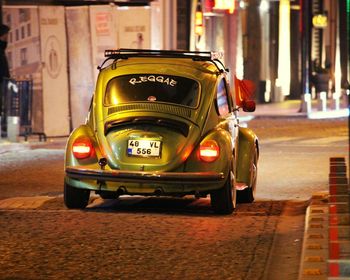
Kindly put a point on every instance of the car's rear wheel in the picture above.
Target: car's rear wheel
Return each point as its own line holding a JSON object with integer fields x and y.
{"x": 75, "y": 198}
{"x": 248, "y": 195}
{"x": 223, "y": 201}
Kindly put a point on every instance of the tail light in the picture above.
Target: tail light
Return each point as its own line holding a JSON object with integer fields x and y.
{"x": 209, "y": 151}
{"x": 82, "y": 148}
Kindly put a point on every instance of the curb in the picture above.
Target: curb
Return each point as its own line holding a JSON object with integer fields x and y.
{"x": 315, "y": 242}
{"x": 326, "y": 244}
{"x": 339, "y": 226}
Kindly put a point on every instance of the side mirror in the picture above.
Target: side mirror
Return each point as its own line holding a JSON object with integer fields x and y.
{"x": 248, "y": 105}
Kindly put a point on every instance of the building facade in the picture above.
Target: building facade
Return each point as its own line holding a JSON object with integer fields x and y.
{"x": 279, "y": 45}
{"x": 60, "y": 47}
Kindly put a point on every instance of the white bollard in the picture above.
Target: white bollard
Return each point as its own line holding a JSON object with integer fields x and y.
{"x": 13, "y": 128}
{"x": 336, "y": 98}
{"x": 322, "y": 101}
{"x": 307, "y": 103}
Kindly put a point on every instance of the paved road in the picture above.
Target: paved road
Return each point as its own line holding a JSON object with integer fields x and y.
{"x": 165, "y": 238}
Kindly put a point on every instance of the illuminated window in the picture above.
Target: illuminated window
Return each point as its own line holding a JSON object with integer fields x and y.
{"x": 225, "y": 5}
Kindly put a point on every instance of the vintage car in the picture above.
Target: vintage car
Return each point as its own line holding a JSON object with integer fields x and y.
{"x": 163, "y": 123}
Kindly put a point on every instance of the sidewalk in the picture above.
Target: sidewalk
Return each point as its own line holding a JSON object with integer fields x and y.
{"x": 291, "y": 108}
{"x": 32, "y": 143}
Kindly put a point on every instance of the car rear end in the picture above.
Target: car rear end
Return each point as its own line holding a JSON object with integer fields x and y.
{"x": 145, "y": 132}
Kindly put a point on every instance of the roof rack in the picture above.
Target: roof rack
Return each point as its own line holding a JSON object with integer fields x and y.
{"x": 194, "y": 55}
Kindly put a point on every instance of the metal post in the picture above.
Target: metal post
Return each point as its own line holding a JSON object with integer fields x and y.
{"x": 1, "y": 12}
{"x": 273, "y": 46}
{"x": 343, "y": 41}
{"x": 305, "y": 54}
{"x": 169, "y": 10}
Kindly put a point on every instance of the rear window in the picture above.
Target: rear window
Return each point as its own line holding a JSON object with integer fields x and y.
{"x": 152, "y": 88}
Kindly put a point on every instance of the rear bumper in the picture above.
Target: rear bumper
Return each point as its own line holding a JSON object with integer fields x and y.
{"x": 187, "y": 178}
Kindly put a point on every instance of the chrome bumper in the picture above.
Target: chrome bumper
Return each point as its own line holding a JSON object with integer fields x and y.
{"x": 144, "y": 177}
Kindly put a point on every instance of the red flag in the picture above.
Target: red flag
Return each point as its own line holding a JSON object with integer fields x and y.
{"x": 244, "y": 90}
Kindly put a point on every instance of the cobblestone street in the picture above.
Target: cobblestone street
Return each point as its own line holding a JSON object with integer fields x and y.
{"x": 142, "y": 243}
{"x": 165, "y": 238}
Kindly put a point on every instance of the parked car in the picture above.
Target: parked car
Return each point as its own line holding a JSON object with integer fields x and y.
{"x": 163, "y": 123}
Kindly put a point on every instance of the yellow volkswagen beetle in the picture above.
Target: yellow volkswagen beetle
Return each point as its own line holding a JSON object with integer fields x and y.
{"x": 163, "y": 123}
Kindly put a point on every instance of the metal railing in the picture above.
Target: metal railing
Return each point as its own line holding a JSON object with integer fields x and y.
{"x": 17, "y": 101}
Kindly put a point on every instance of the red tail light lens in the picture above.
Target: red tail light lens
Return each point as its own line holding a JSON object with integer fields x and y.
{"x": 209, "y": 151}
{"x": 82, "y": 148}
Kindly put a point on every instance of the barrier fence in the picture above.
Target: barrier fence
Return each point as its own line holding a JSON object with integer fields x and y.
{"x": 17, "y": 109}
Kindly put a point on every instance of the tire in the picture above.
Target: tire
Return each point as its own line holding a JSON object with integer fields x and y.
{"x": 223, "y": 201}
{"x": 248, "y": 195}
{"x": 75, "y": 198}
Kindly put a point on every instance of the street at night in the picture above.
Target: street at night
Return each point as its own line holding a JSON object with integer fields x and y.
{"x": 174, "y": 140}
{"x": 166, "y": 238}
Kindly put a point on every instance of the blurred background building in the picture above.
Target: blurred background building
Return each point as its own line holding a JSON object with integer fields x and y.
{"x": 285, "y": 46}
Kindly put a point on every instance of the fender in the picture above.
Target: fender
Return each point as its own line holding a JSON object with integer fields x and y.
{"x": 81, "y": 131}
{"x": 246, "y": 143}
{"x": 194, "y": 164}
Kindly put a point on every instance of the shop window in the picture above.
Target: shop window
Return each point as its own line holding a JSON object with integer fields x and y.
{"x": 29, "y": 30}
{"x": 8, "y": 20}
{"x": 9, "y": 59}
{"x": 24, "y": 15}
{"x": 222, "y": 98}
{"x": 24, "y": 56}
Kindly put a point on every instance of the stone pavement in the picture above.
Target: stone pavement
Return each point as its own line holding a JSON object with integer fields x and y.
{"x": 326, "y": 247}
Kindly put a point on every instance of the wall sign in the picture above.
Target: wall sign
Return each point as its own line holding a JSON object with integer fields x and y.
{"x": 228, "y": 5}
{"x": 320, "y": 21}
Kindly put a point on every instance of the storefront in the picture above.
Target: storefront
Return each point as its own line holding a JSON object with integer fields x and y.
{"x": 215, "y": 27}
{"x": 276, "y": 44}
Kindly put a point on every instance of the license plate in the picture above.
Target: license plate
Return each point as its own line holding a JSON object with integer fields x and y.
{"x": 144, "y": 148}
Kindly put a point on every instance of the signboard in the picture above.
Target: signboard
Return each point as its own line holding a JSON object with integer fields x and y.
{"x": 80, "y": 62}
{"x": 134, "y": 27}
{"x": 54, "y": 70}
{"x": 103, "y": 33}
{"x": 219, "y": 5}
{"x": 320, "y": 21}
